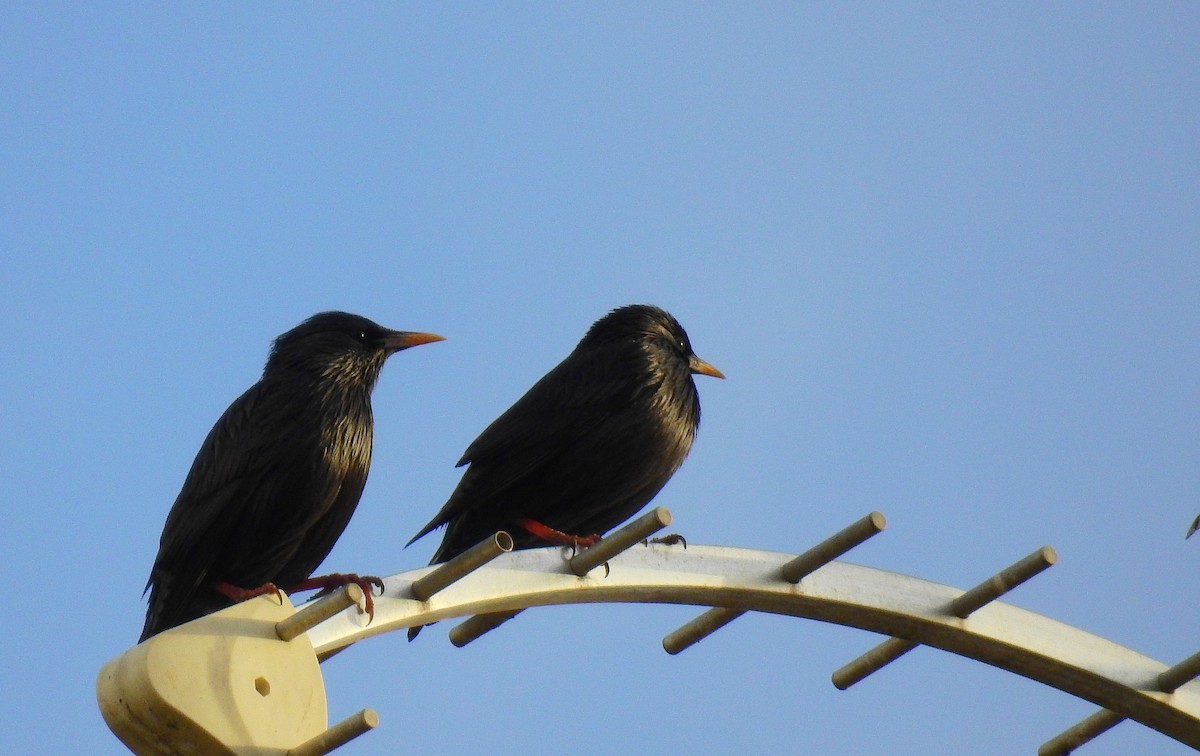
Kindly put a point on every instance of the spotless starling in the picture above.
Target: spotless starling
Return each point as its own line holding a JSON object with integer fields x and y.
{"x": 279, "y": 475}
{"x": 588, "y": 445}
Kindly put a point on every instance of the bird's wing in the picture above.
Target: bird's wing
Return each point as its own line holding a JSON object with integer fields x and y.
{"x": 210, "y": 505}
{"x": 319, "y": 538}
{"x": 557, "y": 413}
{"x": 223, "y": 461}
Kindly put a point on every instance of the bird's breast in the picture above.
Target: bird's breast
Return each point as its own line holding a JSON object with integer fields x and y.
{"x": 347, "y": 438}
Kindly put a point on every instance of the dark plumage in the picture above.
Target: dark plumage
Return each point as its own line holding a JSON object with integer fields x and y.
{"x": 589, "y": 444}
{"x": 279, "y": 475}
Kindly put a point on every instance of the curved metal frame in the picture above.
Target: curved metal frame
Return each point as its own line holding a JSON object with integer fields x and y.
{"x": 1119, "y": 679}
{"x": 262, "y": 690}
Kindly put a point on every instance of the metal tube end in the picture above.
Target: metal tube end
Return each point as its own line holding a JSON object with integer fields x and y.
{"x": 699, "y": 628}
{"x": 464, "y": 564}
{"x": 872, "y": 661}
{"x": 833, "y": 547}
{"x": 470, "y": 629}
{"x": 1003, "y": 582}
{"x": 338, "y": 735}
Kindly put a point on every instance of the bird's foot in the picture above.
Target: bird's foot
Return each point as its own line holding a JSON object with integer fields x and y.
{"x": 557, "y": 537}
{"x": 671, "y": 539}
{"x": 328, "y": 583}
{"x": 234, "y": 593}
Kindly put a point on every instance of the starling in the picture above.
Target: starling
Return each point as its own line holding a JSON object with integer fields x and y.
{"x": 278, "y": 476}
{"x": 588, "y": 445}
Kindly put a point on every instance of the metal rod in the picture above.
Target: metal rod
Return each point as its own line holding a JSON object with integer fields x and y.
{"x": 794, "y": 571}
{"x": 1084, "y": 732}
{"x": 635, "y": 532}
{"x": 987, "y": 591}
{"x": 318, "y": 611}
{"x": 1183, "y": 672}
{"x": 1003, "y": 582}
{"x": 833, "y": 547}
{"x": 462, "y": 565}
{"x": 338, "y": 735}
{"x": 1103, "y": 720}
{"x": 872, "y": 661}
{"x": 467, "y": 631}
{"x": 700, "y": 628}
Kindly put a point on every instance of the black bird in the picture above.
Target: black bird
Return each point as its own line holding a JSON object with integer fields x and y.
{"x": 279, "y": 475}
{"x": 588, "y": 445}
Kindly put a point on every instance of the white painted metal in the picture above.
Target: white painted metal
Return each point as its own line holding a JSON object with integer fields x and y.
{"x": 999, "y": 634}
{"x": 224, "y": 684}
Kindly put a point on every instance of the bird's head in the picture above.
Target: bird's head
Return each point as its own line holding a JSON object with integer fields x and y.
{"x": 341, "y": 347}
{"x": 658, "y": 333}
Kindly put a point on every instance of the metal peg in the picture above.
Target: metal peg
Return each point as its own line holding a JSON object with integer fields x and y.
{"x": 872, "y": 661}
{"x": 338, "y": 735}
{"x": 1100, "y": 722}
{"x": 1084, "y": 732}
{"x": 1183, "y": 672}
{"x": 1003, "y": 582}
{"x": 462, "y": 565}
{"x": 635, "y": 532}
{"x": 794, "y": 571}
{"x": 970, "y": 601}
{"x": 700, "y": 628}
{"x": 833, "y": 547}
{"x": 318, "y": 611}
{"x": 467, "y": 631}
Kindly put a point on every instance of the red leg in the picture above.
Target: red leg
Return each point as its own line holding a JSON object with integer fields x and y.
{"x": 234, "y": 593}
{"x": 336, "y": 580}
{"x": 558, "y": 537}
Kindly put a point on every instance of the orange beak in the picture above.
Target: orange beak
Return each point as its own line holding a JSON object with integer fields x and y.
{"x": 405, "y": 339}
{"x": 697, "y": 365}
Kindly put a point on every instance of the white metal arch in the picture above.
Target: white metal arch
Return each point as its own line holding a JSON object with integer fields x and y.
{"x": 245, "y": 681}
{"x": 1117, "y": 678}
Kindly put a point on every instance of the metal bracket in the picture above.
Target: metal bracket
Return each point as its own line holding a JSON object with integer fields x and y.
{"x": 242, "y": 681}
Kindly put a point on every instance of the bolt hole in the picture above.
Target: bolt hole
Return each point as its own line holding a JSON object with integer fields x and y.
{"x": 263, "y": 686}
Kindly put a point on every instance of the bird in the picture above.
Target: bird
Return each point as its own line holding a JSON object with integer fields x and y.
{"x": 279, "y": 475}
{"x": 1193, "y": 528}
{"x": 590, "y": 444}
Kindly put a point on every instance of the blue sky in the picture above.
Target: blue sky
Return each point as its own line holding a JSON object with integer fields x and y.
{"x": 947, "y": 256}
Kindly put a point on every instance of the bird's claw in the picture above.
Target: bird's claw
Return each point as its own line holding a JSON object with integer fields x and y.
{"x": 579, "y": 543}
{"x": 607, "y": 569}
{"x": 328, "y": 583}
{"x": 671, "y": 539}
